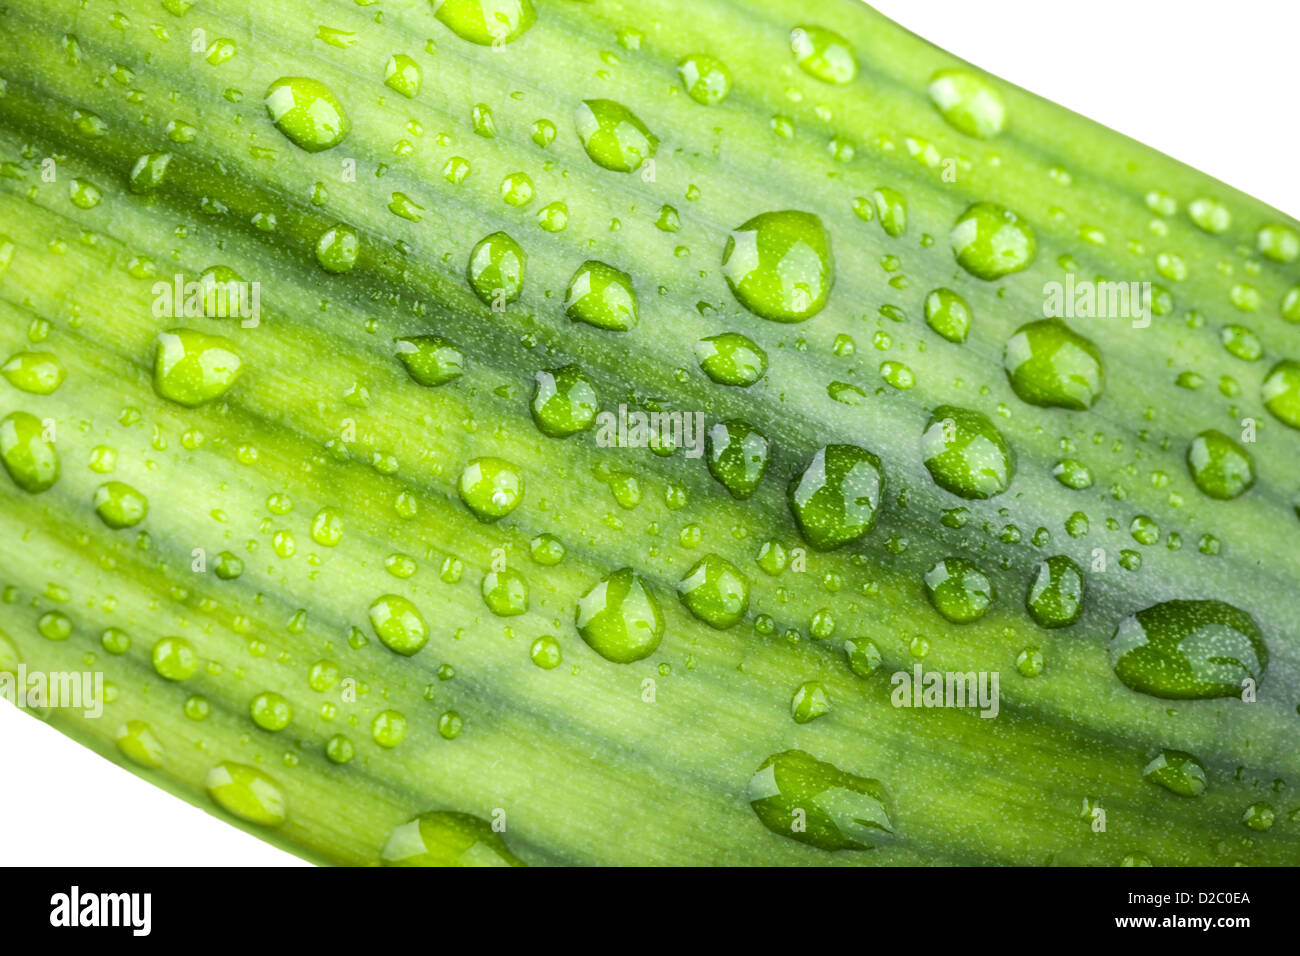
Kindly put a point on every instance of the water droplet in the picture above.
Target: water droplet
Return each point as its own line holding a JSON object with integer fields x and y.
{"x": 1210, "y": 215}
{"x": 1178, "y": 772}
{"x": 191, "y": 367}
{"x": 491, "y": 488}
{"x": 1029, "y": 662}
{"x": 270, "y": 711}
{"x": 800, "y": 797}
{"x": 402, "y": 75}
{"x": 28, "y": 456}
{"x": 1052, "y": 366}
{"x": 174, "y": 658}
{"x": 864, "y": 656}
{"x": 564, "y": 401}
{"x": 823, "y": 54}
{"x": 505, "y": 593}
{"x": 1281, "y": 392}
{"x": 810, "y": 701}
{"x": 388, "y": 728}
{"x": 148, "y": 173}
{"x": 968, "y": 102}
{"x": 991, "y": 241}
{"x": 553, "y": 217}
{"x": 601, "y": 295}
{"x": 339, "y": 749}
{"x": 737, "y": 456}
{"x": 706, "y": 79}
{"x": 486, "y": 22}
{"x": 517, "y": 189}
{"x": 496, "y": 269}
{"x": 731, "y": 359}
{"x": 139, "y": 743}
{"x": 715, "y": 591}
{"x": 1188, "y": 650}
{"x": 959, "y": 590}
{"x": 119, "y": 505}
{"x": 1219, "y": 466}
{"x": 430, "y": 360}
{"x": 38, "y": 373}
{"x": 398, "y": 624}
{"x": 307, "y": 112}
{"x": 965, "y": 454}
{"x": 545, "y": 653}
{"x": 1241, "y": 342}
{"x": 546, "y": 549}
{"x": 779, "y": 265}
{"x": 836, "y": 497}
{"x": 446, "y": 838}
{"x": 948, "y": 314}
{"x": 1055, "y": 596}
{"x": 613, "y": 136}
{"x": 620, "y": 618}
{"x": 891, "y": 208}
{"x": 247, "y": 793}
{"x": 54, "y": 626}
{"x": 1259, "y": 816}
{"x": 1278, "y": 242}
{"x": 337, "y": 249}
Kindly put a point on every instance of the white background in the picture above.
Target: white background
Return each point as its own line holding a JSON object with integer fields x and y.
{"x": 1200, "y": 81}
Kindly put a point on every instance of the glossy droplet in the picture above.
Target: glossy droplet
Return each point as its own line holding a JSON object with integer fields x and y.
{"x": 139, "y": 743}
{"x": 517, "y": 189}
{"x": 486, "y": 22}
{"x": 779, "y": 265}
{"x": 1178, "y": 772}
{"x": 706, "y": 79}
{"x": 247, "y": 793}
{"x": 1052, "y": 366}
{"x": 308, "y": 112}
{"x": 864, "y": 656}
{"x": 1241, "y": 342}
{"x": 601, "y": 295}
{"x": 545, "y": 653}
{"x": 737, "y": 456}
{"x": 799, "y": 797}
{"x": 991, "y": 241}
{"x": 823, "y": 54}
{"x": 38, "y": 373}
{"x": 1278, "y": 242}
{"x": 1073, "y": 474}
{"x": 715, "y": 591}
{"x": 491, "y": 488}
{"x": 1188, "y": 650}
{"x": 446, "y": 838}
{"x": 965, "y": 454}
{"x": 959, "y": 590}
{"x": 564, "y": 401}
{"x": 1281, "y": 392}
{"x": 270, "y": 711}
{"x": 731, "y": 359}
{"x": 398, "y": 624}
{"x": 174, "y": 659}
{"x": 1055, "y": 596}
{"x": 191, "y": 367}
{"x": 148, "y": 172}
{"x": 613, "y": 136}
{"x": 28, "y": 455}
{"x": 388, "y": 728}
{"x": 119, "y": 505}
{"x": 496, "y": 269}
{"x": 948, "y": 314}
{"x": 620, "y": 618}
{"x": 1219, "y": 466}
{"x": 430, "y": 360}
{"x": 1210, "y": 215}
{"x": 891, "y": 210}
{"x": 836, "y": 497}
{"x": 546, "y": 549}
{"x": 505, "y": 593}
{"x": 337, "y": 249}
{"x": 402, "y": 75}
{"x": 968, "y": 102}
{"x": 810, "y": 701}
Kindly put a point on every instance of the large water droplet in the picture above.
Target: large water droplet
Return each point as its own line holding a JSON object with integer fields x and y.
{"x": 564, "y": 401}
{"x": 800, "y": 797}
{"x": 447, "y": 838}
{"x": 1280, "y": 392}
{"x": 620, "y": 618}
{"x": 706, "y": 79}
{"x": 398, "y": 624}
{"x": 1219, "y": 466}
{"x": 836, "y": 497}
{"x": 731, "y": 359}
{"x": 1050, "y": 365}
{"x": 430, "y": 360}
{"x": 119, "y": 505}
{"x": 28, "y": 455}
{"x": 779, "y": 265}
{"x": 968, "y": 102}
{"x": 991, "y": 241}
{"x": 965, "y": 454}
{"x": 491, "y": 488}
{"x": 613, "y": 136}
{"x": 1055, "y": 595}
{"x": 496, "y": 270}
{"x": 486, "y": 22}
{"x": 191, "y": 367}
{"x": 247, "y": 793}
{"x": 823, "y": 54}
{"x": 959, "y": 590}
{"x": 308, "y": 112}
{"x": 1178, "y": 772}
{"x": 1188, "y": 650}
{"x": 601, "y": 295}
{"x": 715, "y": 591}
{"x": 737, "y": 456}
